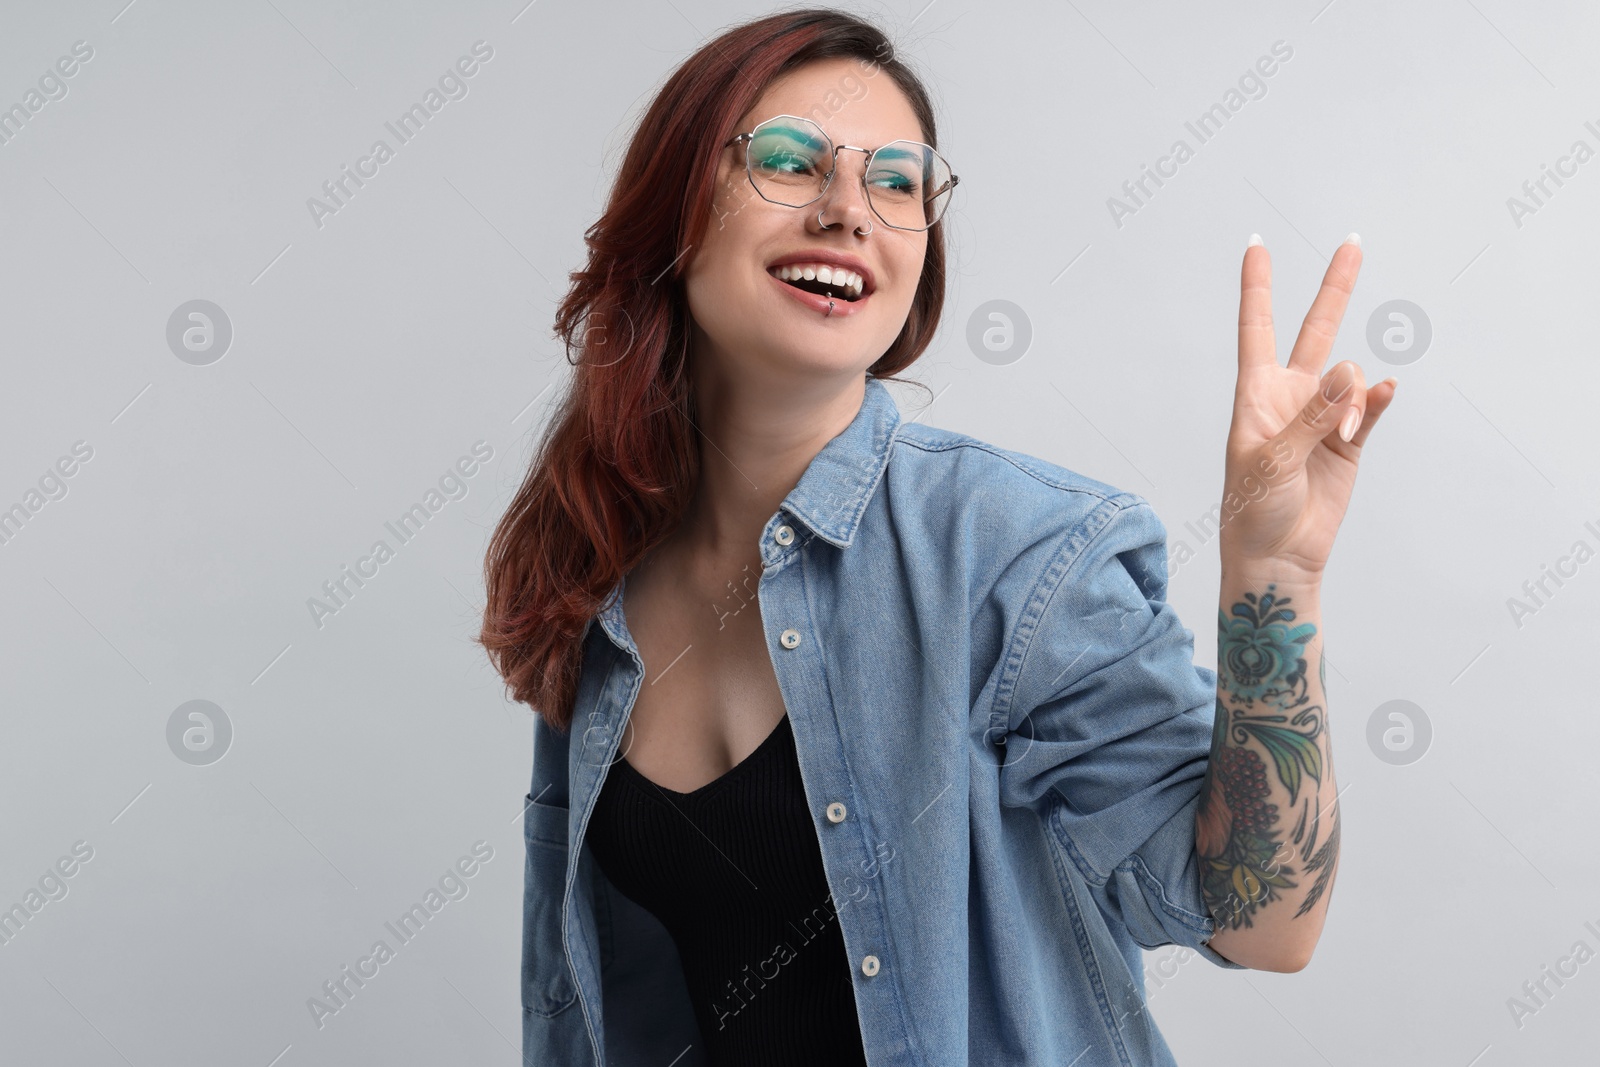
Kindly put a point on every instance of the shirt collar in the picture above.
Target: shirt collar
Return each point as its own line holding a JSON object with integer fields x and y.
{"x": 830, "y": 497}
{"x": 833, "y": 492}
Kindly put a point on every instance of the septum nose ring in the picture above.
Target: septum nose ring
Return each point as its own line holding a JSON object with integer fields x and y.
{"x": 830, "y": 225}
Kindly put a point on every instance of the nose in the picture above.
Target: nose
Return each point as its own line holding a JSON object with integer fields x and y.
{"x": 845, "y": 198}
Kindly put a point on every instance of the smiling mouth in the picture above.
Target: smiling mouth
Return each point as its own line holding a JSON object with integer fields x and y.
{"x": 836, "y": 289}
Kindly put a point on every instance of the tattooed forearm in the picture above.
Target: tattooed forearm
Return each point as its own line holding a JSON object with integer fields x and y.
{"x": 1267, "y": 831}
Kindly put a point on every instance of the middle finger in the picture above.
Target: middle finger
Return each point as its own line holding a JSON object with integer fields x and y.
{"x": 1315, "y": 342}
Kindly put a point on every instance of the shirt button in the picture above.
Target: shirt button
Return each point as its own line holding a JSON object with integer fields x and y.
{"x": 784, "y": 535}
{"x": 836, "y": 812}
{"x": 790, "y": 638}
{"x": 869, "y": 966}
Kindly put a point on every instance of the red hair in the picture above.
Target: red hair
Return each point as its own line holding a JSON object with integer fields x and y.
{"x": 620, "y": 463}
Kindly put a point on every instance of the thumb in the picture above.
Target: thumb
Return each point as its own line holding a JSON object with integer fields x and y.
{"x": 1343, "y": 391}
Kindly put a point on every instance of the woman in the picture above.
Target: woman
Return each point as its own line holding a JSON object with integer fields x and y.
{"x": 859, "y": 740}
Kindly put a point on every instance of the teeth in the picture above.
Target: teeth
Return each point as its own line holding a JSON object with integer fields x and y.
{"x": 846, "y": 279}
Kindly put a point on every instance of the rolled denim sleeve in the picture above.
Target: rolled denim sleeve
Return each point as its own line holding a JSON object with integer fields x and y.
{"x": 1109, "y": 725}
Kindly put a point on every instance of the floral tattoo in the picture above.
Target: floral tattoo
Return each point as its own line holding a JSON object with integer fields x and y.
{"x": 1245, "y": 852}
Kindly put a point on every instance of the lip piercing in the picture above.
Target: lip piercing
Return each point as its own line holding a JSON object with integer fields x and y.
{"x": 830, "y": 307}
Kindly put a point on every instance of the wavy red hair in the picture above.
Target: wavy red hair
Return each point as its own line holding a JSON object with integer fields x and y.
{"x": 616, "y": 470}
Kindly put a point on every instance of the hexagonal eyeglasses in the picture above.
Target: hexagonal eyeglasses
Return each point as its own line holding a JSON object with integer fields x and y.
{"x": 908, "y": 184}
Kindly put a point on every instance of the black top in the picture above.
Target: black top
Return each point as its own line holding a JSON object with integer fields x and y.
{"x": 734, "y": 872}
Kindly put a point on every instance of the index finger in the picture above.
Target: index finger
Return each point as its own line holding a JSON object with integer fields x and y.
{"x": 1257, "y": 347}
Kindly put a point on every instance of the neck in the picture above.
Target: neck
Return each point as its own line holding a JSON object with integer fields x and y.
{"x": 756, "y": 439}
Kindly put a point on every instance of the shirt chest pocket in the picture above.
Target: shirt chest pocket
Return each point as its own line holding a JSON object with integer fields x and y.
{"x": 547, "y": 985}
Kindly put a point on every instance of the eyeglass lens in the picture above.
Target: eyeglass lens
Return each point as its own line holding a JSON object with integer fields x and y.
{"x": 908, "y": 183}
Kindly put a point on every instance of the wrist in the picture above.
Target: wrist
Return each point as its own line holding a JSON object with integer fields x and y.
{"x": 1255, "y": 575}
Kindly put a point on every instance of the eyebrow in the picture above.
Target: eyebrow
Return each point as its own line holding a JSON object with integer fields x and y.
{"x": 812, "y": 142}
{"x": 899, "y": 153}
{"x": 797, "y": 134}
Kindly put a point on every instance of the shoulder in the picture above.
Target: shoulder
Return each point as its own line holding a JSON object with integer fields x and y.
{"x": 1007, "y": 490}
{"x": 1010, "y": 529}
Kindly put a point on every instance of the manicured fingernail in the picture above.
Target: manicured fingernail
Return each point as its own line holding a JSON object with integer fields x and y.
{"x": 1347, "y": 427}
{"x": 1255, "y": 239}
{"x": 1392, "y": 380}
{"x": 1353, "y": 239}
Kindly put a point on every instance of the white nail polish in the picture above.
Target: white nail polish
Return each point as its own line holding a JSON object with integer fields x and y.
{"x": 1353, "y": 239}
{"x": 1255, "y": 239}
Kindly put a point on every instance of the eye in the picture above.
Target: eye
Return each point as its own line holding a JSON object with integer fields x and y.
{"x": 787, "y": 162}
{"x": 895, "y": 182}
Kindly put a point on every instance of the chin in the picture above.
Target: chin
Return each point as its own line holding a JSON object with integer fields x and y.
{"x": 824, "y": 360}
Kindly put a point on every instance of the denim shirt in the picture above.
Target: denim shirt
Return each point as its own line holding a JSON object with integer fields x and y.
{"x": 1002, "y": 737}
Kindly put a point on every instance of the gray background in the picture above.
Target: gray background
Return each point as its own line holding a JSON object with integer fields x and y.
{"x": 371, "y": 353}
